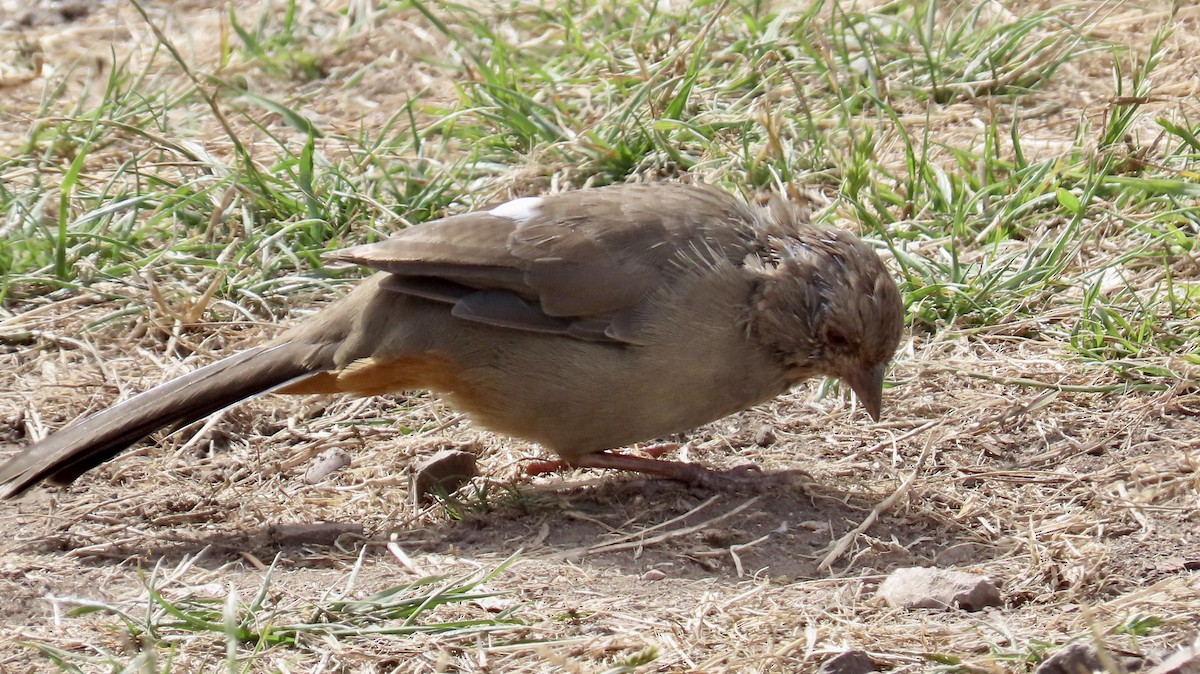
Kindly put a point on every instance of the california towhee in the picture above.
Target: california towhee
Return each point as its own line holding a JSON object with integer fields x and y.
{"x": 583, "y": 321}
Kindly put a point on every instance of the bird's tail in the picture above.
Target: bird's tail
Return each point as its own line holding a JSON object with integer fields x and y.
{"x": 85, "y": 444}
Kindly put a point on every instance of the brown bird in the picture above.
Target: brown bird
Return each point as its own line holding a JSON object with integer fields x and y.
{"x": 583, "y": 321}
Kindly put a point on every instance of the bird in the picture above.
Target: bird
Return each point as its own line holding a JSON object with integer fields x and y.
{"x": 584, "y": 321}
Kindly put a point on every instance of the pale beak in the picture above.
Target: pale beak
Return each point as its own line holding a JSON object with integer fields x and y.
{"x": 868, "y": 386}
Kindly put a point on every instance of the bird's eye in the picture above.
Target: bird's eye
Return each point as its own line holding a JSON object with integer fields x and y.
{"x": 837, "y": 340}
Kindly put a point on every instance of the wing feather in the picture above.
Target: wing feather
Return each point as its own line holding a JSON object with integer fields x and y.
{"x": 577, "y": 263}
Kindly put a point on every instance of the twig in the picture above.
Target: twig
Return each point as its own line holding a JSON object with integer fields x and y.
{"x": 890, "y": 441}
{"x": 883, "y": 507}
{"x": 626, "y": 542}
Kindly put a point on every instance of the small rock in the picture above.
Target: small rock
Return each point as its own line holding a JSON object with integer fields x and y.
{"x": 1081, "y": 657}
{"x": 1183, "y": 661}
{"x": 764, "y": 436}
{"x": 1076, "y": 658}
{"x": 849, "y": 662}
{"x": 327, "y": 462}
{"x": 919, "y": 587}
{"x": 654, "y": 574}
{"x": 442, "y": 473}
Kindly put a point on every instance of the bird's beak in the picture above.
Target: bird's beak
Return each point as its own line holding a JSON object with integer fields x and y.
{"x": 867, "y": 384}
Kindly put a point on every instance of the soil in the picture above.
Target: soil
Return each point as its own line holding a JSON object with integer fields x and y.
{"x": 1084, "y": 507}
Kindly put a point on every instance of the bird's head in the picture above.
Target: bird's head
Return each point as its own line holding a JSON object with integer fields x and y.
{"x": 827, "y": 306}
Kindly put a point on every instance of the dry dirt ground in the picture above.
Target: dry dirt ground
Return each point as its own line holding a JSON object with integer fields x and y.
{"x": 1083, "y": 507}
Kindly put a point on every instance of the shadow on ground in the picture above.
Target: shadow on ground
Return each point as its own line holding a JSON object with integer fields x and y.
{"x": 636, "y": 526}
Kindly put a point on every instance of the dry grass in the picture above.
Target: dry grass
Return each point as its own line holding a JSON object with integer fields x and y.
{"x": 1022, "y": 439}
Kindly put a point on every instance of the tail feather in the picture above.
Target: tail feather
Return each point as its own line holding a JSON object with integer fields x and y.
{"x": 85, "y": 444}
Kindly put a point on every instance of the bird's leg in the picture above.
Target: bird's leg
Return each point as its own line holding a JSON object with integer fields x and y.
{"x": 695, "y": 474}
{"x": 534, "y": 468}
{"x": 690, "y": 473}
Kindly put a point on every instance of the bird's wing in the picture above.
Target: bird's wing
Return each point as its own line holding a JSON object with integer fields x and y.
{"x": 577, "y": 263}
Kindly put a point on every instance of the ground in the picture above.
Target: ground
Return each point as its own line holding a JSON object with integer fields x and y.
{"x": 1008, "y": 447}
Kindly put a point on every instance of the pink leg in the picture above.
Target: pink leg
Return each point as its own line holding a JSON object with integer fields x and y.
{"x": 689, "y": 473}
{"x": 555, "y": 465}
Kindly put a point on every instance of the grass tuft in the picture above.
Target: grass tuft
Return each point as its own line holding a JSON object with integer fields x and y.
{"x": 148, "y": 632}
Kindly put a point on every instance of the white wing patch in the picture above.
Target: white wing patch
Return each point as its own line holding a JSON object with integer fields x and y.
{"x": 520, "y": 210}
